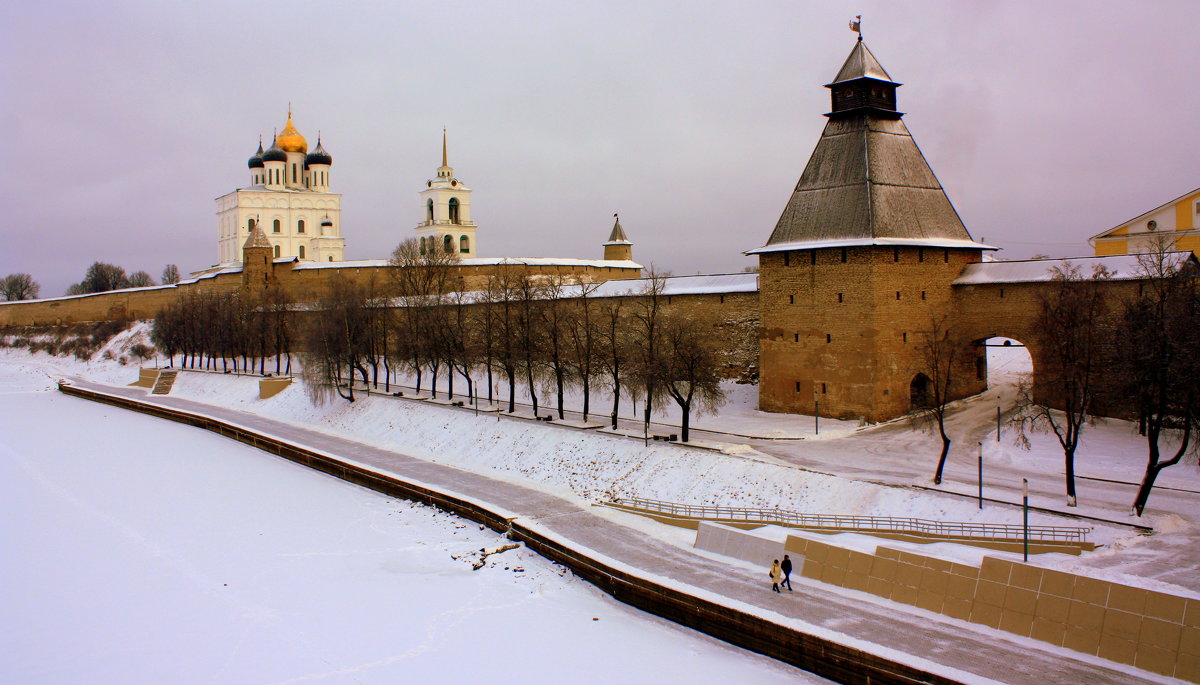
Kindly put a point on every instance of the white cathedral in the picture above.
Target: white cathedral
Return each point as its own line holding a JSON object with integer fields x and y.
{"x": 289, "y": 197}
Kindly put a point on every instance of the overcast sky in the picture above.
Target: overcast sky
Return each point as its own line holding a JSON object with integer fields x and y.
{"x": 1046, "y": 122}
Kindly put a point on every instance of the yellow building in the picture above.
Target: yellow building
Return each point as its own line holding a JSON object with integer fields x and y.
{"x": 1174, "y": 226}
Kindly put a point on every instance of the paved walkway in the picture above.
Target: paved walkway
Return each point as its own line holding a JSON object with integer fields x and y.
{"x": 967, "y": 647}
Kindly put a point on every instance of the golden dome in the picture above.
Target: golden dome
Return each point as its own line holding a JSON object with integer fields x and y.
{"x": 290, "y": 139}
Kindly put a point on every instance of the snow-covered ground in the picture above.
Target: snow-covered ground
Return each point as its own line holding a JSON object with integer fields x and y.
{"x": 141, "y": 551}
{"x": 882, "y": 470}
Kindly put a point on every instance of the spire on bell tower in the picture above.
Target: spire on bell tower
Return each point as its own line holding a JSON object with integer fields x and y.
{"x": 444, "y": 171}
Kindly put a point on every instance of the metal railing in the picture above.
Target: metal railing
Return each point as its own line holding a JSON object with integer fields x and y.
{"x": 890, "y": 524}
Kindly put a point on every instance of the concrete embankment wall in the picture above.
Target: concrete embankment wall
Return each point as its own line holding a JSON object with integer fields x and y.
{"x": 809, "y": 652}
{"x": 1152, "y": 630}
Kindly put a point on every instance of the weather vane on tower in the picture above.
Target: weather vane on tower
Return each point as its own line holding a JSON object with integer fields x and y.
{"x": 856, "y": 25}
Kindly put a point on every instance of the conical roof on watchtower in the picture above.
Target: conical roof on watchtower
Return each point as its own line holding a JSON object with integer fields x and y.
{"x": 617, "y": 237}
{"x": 257, "y": 238}
{"x": 867, "y": 182}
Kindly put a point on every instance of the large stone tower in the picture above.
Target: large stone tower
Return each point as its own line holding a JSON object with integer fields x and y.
{"x": 860, "y": 263}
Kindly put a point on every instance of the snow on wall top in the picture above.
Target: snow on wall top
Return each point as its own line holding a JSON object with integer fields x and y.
{"x": 1119, "y": 267}
{"x": 858, "y": 242}
{"x": 681, "y": 285}
{"x": 483, "y": 261}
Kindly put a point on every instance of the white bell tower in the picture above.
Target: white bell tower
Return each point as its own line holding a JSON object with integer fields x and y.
{"x": 446, "y": 223}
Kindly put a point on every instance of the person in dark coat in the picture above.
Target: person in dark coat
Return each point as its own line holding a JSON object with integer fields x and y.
{"x": 776, "y": 574}
{"x": 786, "y": 567}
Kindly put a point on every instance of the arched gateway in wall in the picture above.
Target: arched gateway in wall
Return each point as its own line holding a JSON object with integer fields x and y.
{"x": 869, "y": 255}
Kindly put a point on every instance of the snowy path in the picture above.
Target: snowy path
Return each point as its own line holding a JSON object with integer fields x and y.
{"x": 862, "y": 619}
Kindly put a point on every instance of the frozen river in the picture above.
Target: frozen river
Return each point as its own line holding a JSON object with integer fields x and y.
{"x": 136, "y": 550}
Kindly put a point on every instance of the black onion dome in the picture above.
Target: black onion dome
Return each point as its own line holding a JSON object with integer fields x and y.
{"x": 318, "y": 156}
{"x": 274, "y": 153}
{"x": 256, "y": 161}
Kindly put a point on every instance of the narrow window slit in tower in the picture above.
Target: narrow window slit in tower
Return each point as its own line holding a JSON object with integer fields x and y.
{"x": 791, "y": 299}
{"x": 840, "y": 297}
{"x": 843, "y": 255}
{"x": 828, "y": 337}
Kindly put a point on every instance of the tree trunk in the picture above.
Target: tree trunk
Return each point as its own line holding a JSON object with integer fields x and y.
{"x": 1070, "y": 468}
{"x": 616, "y": 401}
{"x": 532, "y": 391}
{"x": 587, "y": 389}
{"x": 937, "y": 476}
{"x": 559, "y": 378}
{"x": 512, "y": 389}
{"x": 687, "y": 415}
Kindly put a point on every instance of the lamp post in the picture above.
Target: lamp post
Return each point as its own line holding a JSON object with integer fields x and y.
{"x": 816, "y": 417}
{"x": 981, "y": 476}
{"x": 1025, "y": 508}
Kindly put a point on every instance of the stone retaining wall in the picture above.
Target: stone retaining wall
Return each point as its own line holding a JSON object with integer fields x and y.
{"x": 1152, "y": 630}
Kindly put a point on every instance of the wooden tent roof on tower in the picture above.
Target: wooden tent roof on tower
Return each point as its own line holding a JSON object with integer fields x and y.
{"x": 867, "y": 182}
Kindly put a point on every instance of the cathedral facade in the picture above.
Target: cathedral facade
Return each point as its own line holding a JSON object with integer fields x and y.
{"x": 289, "y": 198}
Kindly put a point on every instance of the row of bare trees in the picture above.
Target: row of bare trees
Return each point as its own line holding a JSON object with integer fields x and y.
{"x": 541, "y": 334}
{"x": 232, "y": 331}
{"x": 1135, "y": 354}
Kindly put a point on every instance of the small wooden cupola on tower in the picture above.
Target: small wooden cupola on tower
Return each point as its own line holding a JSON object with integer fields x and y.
{"x": 863, "y": 86}
{"x": 618, "y": 247}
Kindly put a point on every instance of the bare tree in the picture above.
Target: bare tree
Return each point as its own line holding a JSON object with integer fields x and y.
{"x": 1158, "y": 360}
{"x": 102, "y": 277}
{"x": 613, "y": 340}
{"x": 334, "y": 340}
{"x": 19, "y": 287}
{"x": 140, "y": 279}
{"x": 646, "y": 315}
{"x": 689, "y": 368}
{"x": 530, "y": 332}
{"x": 1069, "y": 334}
{"x": 555, "y": 324}
{"x": 502, "y": 298}
{"x": 938, "y": 351}
{"x": 422, "y": 280}
{"x": 170, "y": 275}
{"x": 583, "y": 339}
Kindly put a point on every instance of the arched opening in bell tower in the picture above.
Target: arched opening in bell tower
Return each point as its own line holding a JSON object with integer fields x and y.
{"x": 454, "y": 210}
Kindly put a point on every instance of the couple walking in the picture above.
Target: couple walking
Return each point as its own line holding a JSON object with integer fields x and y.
{"x": 781, "y": 574}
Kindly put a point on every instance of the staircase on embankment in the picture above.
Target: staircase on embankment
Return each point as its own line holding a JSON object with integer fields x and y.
{"x": 166, "y": 379}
